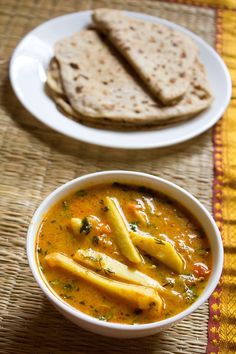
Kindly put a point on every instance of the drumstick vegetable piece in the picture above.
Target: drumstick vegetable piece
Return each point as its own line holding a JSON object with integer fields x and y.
{"x": 114, "y": 268}
{"x": 162, "y": 250}
{"x": 117, "y": 270}
{"x": 120, "y": 230}
{"x": 76, "y": 224}
{"x": 138, "y": 295}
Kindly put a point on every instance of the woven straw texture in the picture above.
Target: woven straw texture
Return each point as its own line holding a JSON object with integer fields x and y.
{"x": 35, "y": 160}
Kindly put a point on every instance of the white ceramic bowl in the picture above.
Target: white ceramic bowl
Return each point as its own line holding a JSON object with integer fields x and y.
{"x": 155, "y": 183}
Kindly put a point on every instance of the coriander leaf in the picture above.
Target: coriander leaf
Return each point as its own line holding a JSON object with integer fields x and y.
{"x": 105, "y": 317}
{"x": 81, "y": 193}
{"x": 133, "y": 225}
{"x": 121, "y": 186}
{"x": 86, "y": 226}
{"x": 108, "y": 271}
{"x": 65, "y": 205}
{"x": 65, "y": 296}
{"x": 138, "y": 311}
{"x": 159, "y": 241}
{"x": 55, "y": 282}
{"x": 69, "y": 286}
{"x": 105, "y": 208}
{"x": 169, "y": 282}
{"x": 144, "y": 190}
{"x": 95, "y": 240}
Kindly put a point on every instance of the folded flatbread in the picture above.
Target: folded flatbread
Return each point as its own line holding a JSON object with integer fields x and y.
{"x": 55, "y": 90}
{"x": 161, "y": 56}
{"x": 100, "y": 86}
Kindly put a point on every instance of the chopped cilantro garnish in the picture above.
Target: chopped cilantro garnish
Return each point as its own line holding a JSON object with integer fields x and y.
{"x": 105, "y": 208}
{"x": 159, "y": 241}
{"x": 133, "y": 225}
{"x": 105, "y": 317}
{"x": 65, "y": 296}
{"x": 108, "y": 271}
{"x": 81, "y": 193}
{"x": 121, "y": 186}
{"x": 95, "y": 240}
{"x": 65, "y": 205}
{"x": 86, "y": 226}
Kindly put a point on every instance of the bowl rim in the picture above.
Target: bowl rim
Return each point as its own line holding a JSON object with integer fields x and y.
{"x": 66, "y": 308}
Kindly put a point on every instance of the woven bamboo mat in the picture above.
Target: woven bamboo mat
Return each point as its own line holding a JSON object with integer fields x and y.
{"x": 34, "y": 160}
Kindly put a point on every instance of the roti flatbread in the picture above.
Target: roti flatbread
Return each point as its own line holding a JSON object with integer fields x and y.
{"x": 55, "y": 90}
{"x": 161, "y": 56}
{"x": 100, "y": 86}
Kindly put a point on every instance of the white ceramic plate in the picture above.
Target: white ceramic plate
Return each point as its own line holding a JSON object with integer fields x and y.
{"x": 28, "y": 74}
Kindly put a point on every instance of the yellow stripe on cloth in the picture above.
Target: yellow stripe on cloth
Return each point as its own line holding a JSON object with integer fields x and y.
{"x": 225, "y": 142}
{"x": 218, "y": 4}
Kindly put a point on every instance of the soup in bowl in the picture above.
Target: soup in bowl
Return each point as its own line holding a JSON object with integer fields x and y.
{"x": 124, "y": 254}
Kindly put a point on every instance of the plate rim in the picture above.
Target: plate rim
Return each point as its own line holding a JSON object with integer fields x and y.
{"x": 174, "y": 141}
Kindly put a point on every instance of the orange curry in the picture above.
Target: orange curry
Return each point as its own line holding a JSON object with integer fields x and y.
{"x": 154, "y": 254}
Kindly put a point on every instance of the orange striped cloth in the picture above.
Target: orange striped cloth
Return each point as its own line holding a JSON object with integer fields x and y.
{"x": 222, "y": 316}
{"x": 222, "y": 304}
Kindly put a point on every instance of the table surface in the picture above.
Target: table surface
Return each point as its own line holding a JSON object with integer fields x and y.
{"x": 35, "y": 160}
